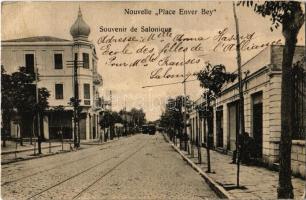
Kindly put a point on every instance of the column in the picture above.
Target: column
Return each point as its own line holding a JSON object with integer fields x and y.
{"x": 214, "y": 126}
{"x": 274, "y": 116}
{"x": 225, "y": 126}
{"x": 88, "y": 126}
{"x": 46, "y": 127}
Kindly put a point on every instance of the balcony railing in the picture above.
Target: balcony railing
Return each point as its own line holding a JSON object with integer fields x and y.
{"x": 97, "y": 79}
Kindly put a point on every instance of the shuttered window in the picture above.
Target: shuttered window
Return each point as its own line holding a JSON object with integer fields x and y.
{"x": 59, "y": 93}
{"x": 58, "y": 61}
{"x": 86, "y": 60}
{"x": 86, "y": 91}
{"x": 29, "y": 62}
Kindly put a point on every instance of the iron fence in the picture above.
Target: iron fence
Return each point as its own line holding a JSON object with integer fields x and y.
{"x": 299, "y": 101}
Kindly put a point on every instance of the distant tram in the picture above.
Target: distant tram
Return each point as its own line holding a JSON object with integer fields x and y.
{"x": 149, "y": 129}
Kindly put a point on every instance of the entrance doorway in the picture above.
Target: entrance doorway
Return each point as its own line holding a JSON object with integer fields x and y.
{"x": 82, "y": 124}
{"x": 219, "y": 126}
{"x": 257, "y": 123}
{"x": 60, "y": 124}
{"x": 233, "y": 126}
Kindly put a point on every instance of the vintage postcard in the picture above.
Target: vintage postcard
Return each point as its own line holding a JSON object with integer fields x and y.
{"x": 153, "y": 100}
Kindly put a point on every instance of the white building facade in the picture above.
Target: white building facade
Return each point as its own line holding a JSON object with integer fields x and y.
{"x": 262, "y": 110}
{"x": 53, "y": 59}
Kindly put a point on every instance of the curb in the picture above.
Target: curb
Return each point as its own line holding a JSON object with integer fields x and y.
{"x": 24, "y": 150}
{"x": 34, "y": 157}
{"x": 219, "y": 190}
{"x": 51, "y": 154}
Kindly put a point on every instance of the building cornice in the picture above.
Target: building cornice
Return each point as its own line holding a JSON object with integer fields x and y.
{"x": 249, "y": 78}
{"x": 70, "y": 75}
{"x": 259, "y": 72}
{"x": 62, "y": 43}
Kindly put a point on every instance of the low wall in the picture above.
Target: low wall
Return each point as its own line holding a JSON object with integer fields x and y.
{"x": 298, "y": 158}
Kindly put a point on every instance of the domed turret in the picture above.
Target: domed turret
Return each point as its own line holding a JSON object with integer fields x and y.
{"x": 80, "y": 29}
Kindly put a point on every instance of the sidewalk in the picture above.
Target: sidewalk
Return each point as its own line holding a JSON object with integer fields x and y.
{"x": 11, "y": 146}
{"x": 11, "y": 154}
{"x": 257, "y": 182}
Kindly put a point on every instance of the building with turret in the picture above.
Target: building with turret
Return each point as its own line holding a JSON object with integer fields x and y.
{"x": 53, "y": 58}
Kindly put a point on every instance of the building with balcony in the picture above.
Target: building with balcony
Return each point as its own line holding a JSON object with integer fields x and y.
{"x": 53, "y": 58}
{"x": 262, "y": 110}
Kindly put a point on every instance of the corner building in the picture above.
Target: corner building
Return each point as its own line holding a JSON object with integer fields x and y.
{"x": 53, "y": 59}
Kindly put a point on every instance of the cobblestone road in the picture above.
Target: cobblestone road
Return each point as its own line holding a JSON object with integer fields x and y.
{"x": 137, "y": 167}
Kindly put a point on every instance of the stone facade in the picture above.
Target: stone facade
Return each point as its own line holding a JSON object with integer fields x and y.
{"x": 262, "y": 102}
{"x": 298, "y": 157}
{"x": 44, "y": 50}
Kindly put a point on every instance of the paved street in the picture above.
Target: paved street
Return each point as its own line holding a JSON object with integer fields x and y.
{"x": 257, "y": 182}
{"x": 137, "y": 167}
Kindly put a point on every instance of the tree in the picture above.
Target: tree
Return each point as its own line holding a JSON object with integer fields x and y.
{"x": 291, "y": 16}
{"x": 21, "y": 92}
{"x": 109, "y": 119}
{"x": 138, "y": 117}
{"x": 179, "y": 117}
{"x": 42, "y": 105}
{"x": 172, "y": 118}
{"x": 7, "y": 108}
{"x": 124, "y": 115}
{"x": 23, "y": 96}
{"x": 212, "y": 78}
{"x": 77, "y": 109}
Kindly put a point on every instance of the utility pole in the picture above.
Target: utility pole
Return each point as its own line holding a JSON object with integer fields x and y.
{"x": 185, "y": 109}
{"x": 76, "y": 101}
{"x": 200, "y": 139}
{"x": 111, "y": 99}
{"x": 38, "y": 114}
{"x": 209, "y": 136}
{"x": 241, "y": 100}
{"x": 125, "y": 118}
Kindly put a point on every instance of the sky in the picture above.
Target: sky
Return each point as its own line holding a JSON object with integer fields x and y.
{"x": 28, "y": 19}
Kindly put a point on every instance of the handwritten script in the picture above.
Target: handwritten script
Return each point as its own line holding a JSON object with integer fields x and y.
{"x": 163, "y": 51}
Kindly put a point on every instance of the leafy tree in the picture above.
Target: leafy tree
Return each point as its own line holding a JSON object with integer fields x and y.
{"x": 109, "y": 119}
{"x": 7, "y": 108}
{"x": 77, "y": 109}
{"x": 21, "y": 92}
{"x": 43, "y": 104}
{"x": 290, "y": 15}
{"x": 125, "y": 119}
{"x": 179, "y": 117}
{"x": 23, "y": 97}
{"x": 212, "y": 78}
{"x": 106, "y": 120}
{"x": 138, "y": 117}
{"x": 172, "y": 118}
{"x": 116, "y": 118}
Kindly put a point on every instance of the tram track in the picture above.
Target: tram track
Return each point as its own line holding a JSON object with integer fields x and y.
{"x": 60, "y": 165}
{"x": 108, "y": 172}
{"x": 84, "y": 171}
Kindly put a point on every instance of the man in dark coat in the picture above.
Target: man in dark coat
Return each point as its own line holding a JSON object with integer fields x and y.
{"x": 243, "y": 143}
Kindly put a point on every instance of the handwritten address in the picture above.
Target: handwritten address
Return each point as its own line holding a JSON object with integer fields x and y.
{"x": 162, "y": 51}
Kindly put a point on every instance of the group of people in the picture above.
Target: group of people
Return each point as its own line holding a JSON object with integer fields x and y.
{"x": 246, "y": 151}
